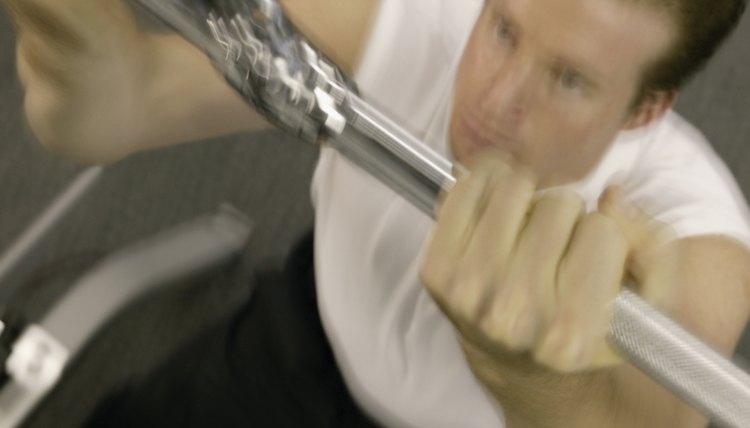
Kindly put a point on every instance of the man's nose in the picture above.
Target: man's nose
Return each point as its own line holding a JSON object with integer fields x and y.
{"x": 510, "y": 90}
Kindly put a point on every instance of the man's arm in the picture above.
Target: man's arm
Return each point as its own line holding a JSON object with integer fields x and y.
{"x": 99, "y": 87}
{"x": 713, "y": 302}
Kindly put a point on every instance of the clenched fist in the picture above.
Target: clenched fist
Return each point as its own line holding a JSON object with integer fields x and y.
{"x": 528, "y": 277}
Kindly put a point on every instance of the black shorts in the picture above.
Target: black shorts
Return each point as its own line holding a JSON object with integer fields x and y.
{"x": 268, "y": 365}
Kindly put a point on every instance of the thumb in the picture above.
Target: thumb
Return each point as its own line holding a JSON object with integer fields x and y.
{"x": 653, "y": 257}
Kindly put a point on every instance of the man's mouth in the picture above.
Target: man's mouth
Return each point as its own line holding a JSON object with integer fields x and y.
{"x": 479, "y": 137}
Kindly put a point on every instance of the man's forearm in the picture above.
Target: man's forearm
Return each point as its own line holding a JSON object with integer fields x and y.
{"x": 185, "y": 98}
{"x": 567, "y": 400}
{"x": 102, "y": 100}
{"x": 619, "y": 397}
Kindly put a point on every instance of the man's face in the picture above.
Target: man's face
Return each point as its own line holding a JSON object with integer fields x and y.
{"x": 551, "y": 82}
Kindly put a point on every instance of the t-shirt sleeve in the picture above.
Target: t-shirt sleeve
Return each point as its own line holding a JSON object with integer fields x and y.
{"x": 680, "y": 180}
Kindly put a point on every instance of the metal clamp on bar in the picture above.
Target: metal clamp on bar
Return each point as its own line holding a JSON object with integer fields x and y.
{"x": 263, "y": 56}
{"x": 275, "y": 69}
{"x": 42, "y": 352}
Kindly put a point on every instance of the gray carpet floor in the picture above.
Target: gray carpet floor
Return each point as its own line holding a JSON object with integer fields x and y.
{"x": 265, "y": 175}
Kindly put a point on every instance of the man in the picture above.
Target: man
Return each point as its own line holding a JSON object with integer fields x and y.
{"x": 553, "y": 101}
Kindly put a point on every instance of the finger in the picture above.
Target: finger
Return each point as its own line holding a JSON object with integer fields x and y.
{"x": 456, "y": 219}
{"x": 485, "y": 260}
{"x": 492, "y": 159}
{"x": 499, "y": 222}
{"x": 588, "y": 280}
{"x": 653, "y": 255}
{"x": 527, "y": 299}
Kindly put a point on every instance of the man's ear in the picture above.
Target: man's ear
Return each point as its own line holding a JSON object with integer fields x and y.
{"x": 653, "y": 107}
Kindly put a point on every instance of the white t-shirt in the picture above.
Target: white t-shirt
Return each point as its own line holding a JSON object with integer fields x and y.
{"x": 398, "y": 353}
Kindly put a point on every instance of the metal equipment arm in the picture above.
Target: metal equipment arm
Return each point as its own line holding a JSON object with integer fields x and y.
{"x": 45, "y": 349}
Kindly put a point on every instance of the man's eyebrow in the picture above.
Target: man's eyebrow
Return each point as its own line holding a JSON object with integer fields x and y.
{"x": 579, "y": 65}
{"x": 500, "y": 10}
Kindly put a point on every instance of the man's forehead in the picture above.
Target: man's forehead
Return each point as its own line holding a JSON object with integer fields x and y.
{"x": 589, "y": 34}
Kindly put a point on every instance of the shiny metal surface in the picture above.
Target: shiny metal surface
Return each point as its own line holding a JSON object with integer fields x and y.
{"x": 676, "y": 359}
{"x": 393, "y": 156}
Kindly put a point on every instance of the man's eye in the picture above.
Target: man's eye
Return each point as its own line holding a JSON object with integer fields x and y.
{"x": 570, "y": 80}
{"x": 504, "y": 32}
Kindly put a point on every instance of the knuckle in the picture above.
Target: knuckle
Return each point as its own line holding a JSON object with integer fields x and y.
{"x": 511, "y": 322}
{"x": 432, "y": 275}
{"x": 497, "y": 332}
{"x": 598, "y": 220}
{"x": 523, "y": 185}
{"x": 544, "y": 290}
{"x": 601, "y": 225}
{"x": 565, "y": 274}
{"x": 564, "y": 199}
{"x": 512, "y": 190}
{"x": 563, "y": 349}
{"x": 562, "y": 208}
{"x": 527, "y": 175}
{"x": 472, "y": 183}
{"x": 523, "y": 178}
{"x": 491, "y": 161}
{"x": 467, "y": 297}
{"x": 544, "y": 358}
{"x": 435, "y": 288}
{"x": 464, "y": 308}
{"x": 660, "y": 234}
{"x": 476, "y": 180}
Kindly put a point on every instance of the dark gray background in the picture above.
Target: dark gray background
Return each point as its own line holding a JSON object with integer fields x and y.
{"x": 266, "y": 175}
